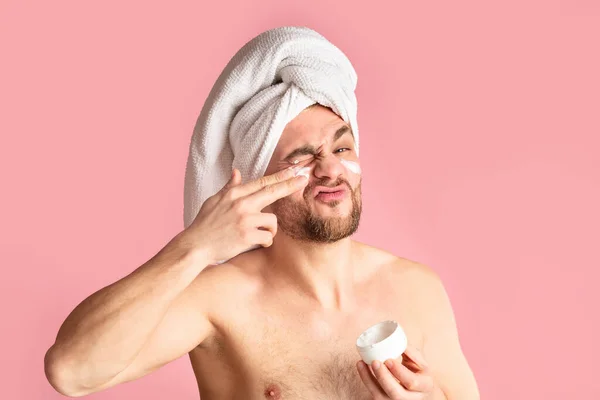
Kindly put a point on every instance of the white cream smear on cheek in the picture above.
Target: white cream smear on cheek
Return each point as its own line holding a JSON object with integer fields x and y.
{"x": 352, "y": 166}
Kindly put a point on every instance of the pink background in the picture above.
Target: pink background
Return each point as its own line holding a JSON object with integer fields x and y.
{"x": 480, "y": 131}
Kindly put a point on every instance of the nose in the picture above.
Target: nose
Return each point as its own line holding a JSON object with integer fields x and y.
{"x": 329, "y": 167}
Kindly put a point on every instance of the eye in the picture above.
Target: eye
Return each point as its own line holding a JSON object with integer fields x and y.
{"x": 342, "y": 150}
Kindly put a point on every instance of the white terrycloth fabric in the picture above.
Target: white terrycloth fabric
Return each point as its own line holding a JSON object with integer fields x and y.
{"x": 267, "y": 83}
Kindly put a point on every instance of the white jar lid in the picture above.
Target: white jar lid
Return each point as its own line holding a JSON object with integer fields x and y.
{"x": 381, "y": 342}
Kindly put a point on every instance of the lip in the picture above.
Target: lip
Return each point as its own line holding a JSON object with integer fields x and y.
{"x": 327, "y": 197}
{"x": 319, "y": 189}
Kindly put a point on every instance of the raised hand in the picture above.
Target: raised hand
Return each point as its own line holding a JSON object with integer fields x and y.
{"x": 231, "y": 221}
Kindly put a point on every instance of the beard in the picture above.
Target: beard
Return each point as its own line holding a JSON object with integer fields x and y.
{"x": 298, "y": 221}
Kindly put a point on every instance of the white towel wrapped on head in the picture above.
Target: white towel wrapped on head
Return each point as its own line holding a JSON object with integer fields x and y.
{"x": 266, "y": 84}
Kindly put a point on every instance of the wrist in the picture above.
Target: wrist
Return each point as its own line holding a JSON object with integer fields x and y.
{"x": 201, "y": 256}
{"x": 193, "y": 250}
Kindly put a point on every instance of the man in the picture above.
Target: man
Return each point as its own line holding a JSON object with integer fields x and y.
{"x": 279, "y": 321}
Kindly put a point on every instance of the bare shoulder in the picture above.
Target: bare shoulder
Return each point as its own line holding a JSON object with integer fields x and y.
{"x": 433, "y": 313}
{"x": 400, "y": 269}
{"x": 223, "y": 287}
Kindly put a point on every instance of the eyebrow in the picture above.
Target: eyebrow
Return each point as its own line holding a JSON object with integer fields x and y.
{"x": 308, "y": 149}
{"x": 341, "y": 131}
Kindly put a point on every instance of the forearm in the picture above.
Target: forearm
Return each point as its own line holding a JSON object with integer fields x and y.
{"x": 104, "y": 333}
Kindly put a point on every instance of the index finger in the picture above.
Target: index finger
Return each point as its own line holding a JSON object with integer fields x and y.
{"x": 410, "y": 380}
{"x": 270, "y": 194}
{"x": 388, "y": 382}
{"x": 416, "y": 357}
{"x": 260, "y": 183}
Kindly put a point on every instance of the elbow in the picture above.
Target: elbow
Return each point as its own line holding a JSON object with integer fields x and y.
{"x": 60, "y": 375}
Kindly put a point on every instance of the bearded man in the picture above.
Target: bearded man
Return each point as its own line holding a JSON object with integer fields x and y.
{"x": 264, "y": 288}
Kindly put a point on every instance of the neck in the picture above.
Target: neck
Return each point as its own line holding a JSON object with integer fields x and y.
{"x": 322, "y": 271}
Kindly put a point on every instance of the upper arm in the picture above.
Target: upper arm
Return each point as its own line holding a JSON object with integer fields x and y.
{"x": 441, "y": 347}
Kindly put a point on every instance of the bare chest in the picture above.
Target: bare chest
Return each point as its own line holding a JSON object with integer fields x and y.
{"x": 305, "y": 362}
{"x": 291, "y": 354}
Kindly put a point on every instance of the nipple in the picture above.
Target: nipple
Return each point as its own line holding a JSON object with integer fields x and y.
{"x": 272, "y": 392}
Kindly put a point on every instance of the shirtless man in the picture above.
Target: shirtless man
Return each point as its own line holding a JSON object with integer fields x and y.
{"x": 280, "y": 321}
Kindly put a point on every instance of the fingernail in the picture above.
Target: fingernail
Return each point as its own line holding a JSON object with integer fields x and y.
{"x": 303, "y": 171}
{"x": 389, "y": 363}
{"x": 376, "y": 364}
